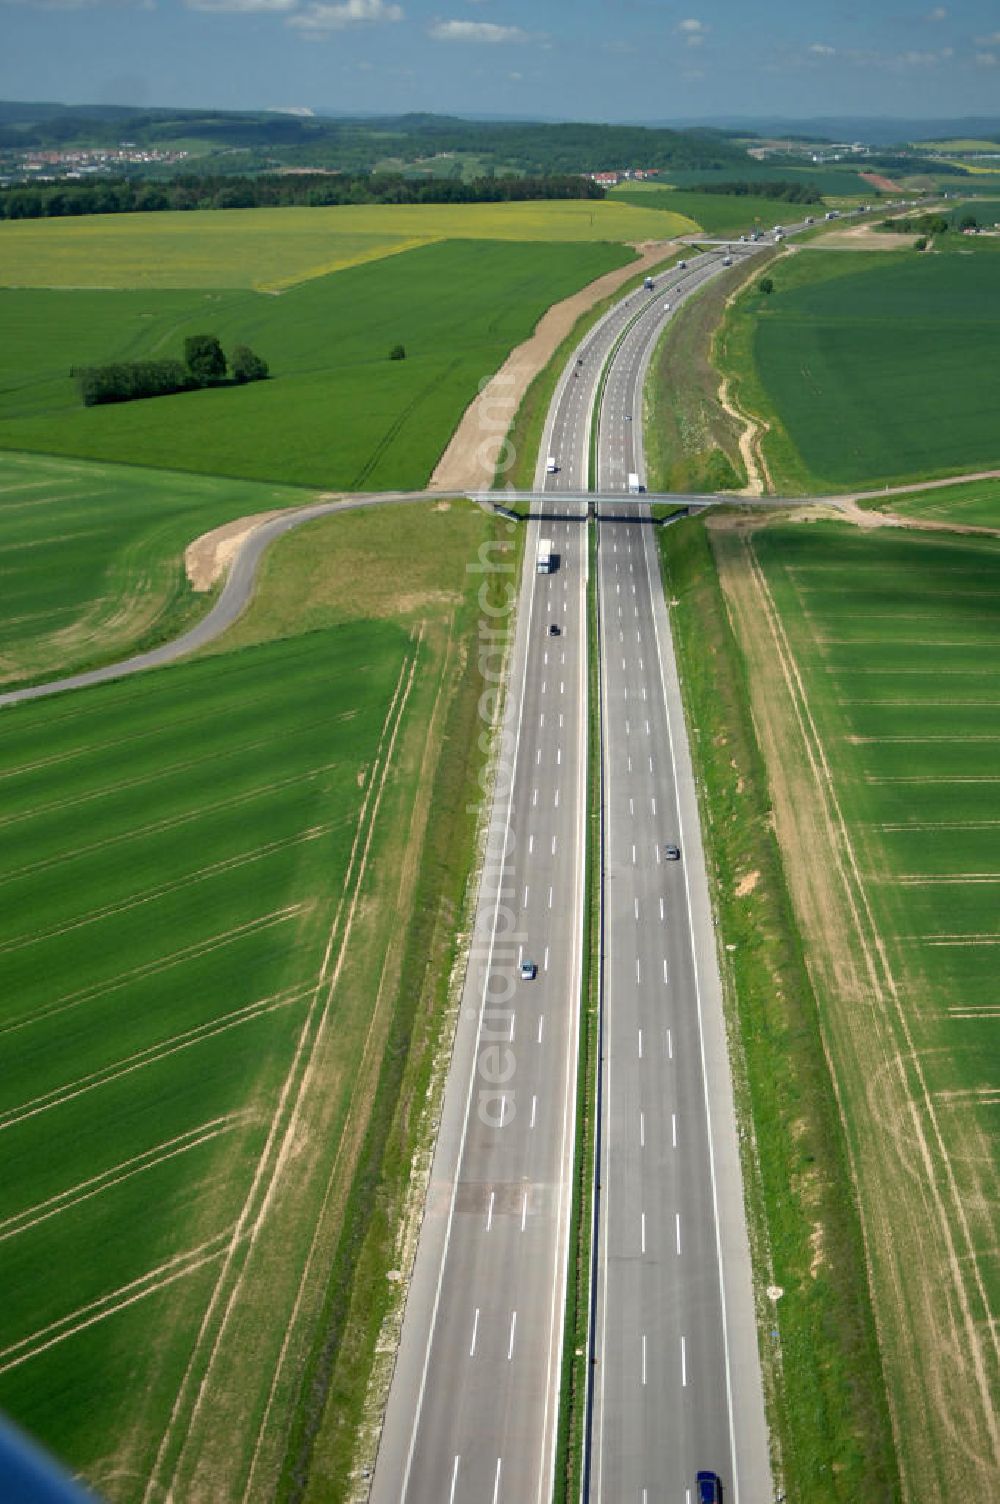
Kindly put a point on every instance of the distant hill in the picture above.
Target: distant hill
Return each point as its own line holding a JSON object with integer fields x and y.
{"x": 425, "y": 143}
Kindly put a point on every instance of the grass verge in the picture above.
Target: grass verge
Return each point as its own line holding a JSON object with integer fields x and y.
{"x": 576, "y": 1348}
{"x": 691, "y": 442}
{"x": 824, "y": 1385}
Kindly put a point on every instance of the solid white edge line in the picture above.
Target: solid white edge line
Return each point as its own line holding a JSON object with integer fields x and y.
{"x": 546, "y": 1476}
{"x": 701, "y": 1043}
{"x": 528, "y": 555}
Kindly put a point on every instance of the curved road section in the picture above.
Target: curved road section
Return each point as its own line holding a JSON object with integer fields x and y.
{"x": 233, "y": 599}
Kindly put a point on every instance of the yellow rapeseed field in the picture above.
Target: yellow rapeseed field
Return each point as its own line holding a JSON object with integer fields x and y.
{"x": 269, "y": 249}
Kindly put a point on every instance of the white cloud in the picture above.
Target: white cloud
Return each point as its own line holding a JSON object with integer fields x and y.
{"x": 988, "y": 59}
{"x": 319, "y": 18}
{"x": 993, "y": 40}
{"x": 476, "y": 31}
{"x": 242, "y": 7}
{"x": 820, "y": 49}
{"x": 939, "y": 13}
{"x": 693, "y": 32}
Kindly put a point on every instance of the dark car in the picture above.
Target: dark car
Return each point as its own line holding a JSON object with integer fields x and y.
{"x": 553, "y": 629}
{"x": 709, "y": 1488}
{"x": 672, "y": 853}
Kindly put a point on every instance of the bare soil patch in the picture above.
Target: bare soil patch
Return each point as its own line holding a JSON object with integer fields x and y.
{"x": 860, "y": 238}
{"x": 208, "y": 557}
{"x": 470, "y": 460}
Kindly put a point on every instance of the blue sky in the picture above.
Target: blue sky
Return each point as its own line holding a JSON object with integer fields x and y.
{"x": 566, "y": 59}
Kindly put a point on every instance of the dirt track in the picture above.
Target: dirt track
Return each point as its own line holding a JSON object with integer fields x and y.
{"x": 469, "y": 462}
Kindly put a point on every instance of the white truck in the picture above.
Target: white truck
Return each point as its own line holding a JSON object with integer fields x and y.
{"x": 545, "y": 563}
{"x": 634, "y": 488}
{"x": 550, "y": 465}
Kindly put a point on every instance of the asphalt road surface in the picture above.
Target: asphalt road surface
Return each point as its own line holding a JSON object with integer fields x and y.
{"x": 676, "y": 1378}
{"x": 473, "y": 1406}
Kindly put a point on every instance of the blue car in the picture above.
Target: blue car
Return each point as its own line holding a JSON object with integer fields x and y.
{"x": 709, "y": 1488}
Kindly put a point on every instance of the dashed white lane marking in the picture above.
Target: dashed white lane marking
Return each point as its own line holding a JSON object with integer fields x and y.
{"x": 531, "y": 844}
{"x": 454, "y": 1479}
{"x": 550, "y": 905}
{"x": 541, "y": 719}
{"x": 556, "y": 805}
{"x": 562, "y": 687}
{"x": 541, "y": 1025}
{"x": 525, "y": 903}
{"x": 543, "y": 686}
{"x": 631, "y": 807}
{"x": 662, "y": 916}
{"x": 534, "y": 796}
{"x": 513, "y": 1020}
{"x": 653, "y": 803}
{"x": 510, "y": 1340}
{"x": 644, "y": 1357}
{"x": 684, "y": 1366}
{"x": 560, "y": 720}
{"x": 650, "y": 764}
{"x": 642, "y": 1232}
{"x": 538, "y": 756}
{"x": 638, "y": 970}
{"x": 524, "y": 1210}
{"x": 496, "y": 1482}
{"x": 558, "y": 756}
{"x": 670, "y": 1046}
{"x": 647, "y": 728}
{"x": 472, "y": 1346}
{"x": 627, "y": 728}
{"x": 534, "y": 1110}
{"x": 635, "y": 902}
{"x": 664, "y": 971}
{"x": 630, "y": 764}
{"x": 677, "y": 1225}
{"x": 489, "y": 1212}
{"x": 640, "y": 1044}
{"x": 545, "y": 963}
{"x": 633, "y": 855}
{"x": 673, "y": 1130}
{"x": 553, "y": 845}
{"x": 642, "y": 1130}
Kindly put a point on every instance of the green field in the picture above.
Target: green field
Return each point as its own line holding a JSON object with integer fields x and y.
{"x": 192, "y": 1047}
{"x": 271, "y": 249}
{"x": 174, "y": 851}
{"x": 975, "y": 505}
{"x": 337, "y": 413}
{"x": 91, "y": 556}
{"x": 872, "y": 661}
{"x": 717, "y": 213}
{"x": 874, "y": 367}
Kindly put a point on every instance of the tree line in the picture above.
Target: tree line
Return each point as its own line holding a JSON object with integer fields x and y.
{"x": 204, "y": 365}
{"x": 311, "y": 190}
{"x": 785, "y": 192}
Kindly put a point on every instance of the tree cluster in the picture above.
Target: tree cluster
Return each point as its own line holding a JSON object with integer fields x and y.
{"x": 204, "y": 364}
{"x": 127, "y": 196}
{"x": 920, "y": 224}
{"x": 784, "y": 192}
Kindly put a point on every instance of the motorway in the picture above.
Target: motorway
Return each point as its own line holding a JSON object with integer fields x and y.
{"x": 474, "y": 1400}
